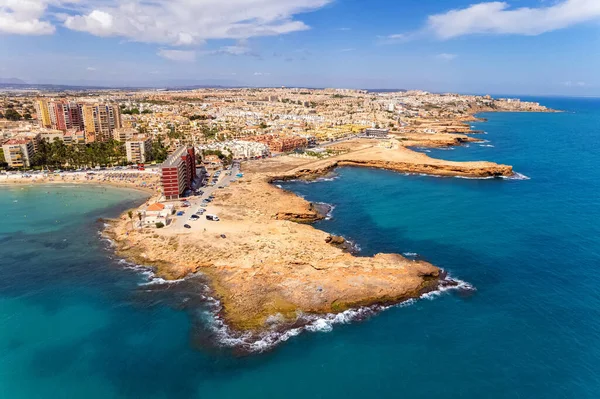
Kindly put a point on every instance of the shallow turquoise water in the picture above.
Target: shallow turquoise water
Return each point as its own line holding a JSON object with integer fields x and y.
{"x": 74, "y": 322}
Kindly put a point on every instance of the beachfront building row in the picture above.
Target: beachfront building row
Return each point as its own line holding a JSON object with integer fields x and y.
{"x": 178, "y": 172}
{"x": 139, "y": 151}
{"x": 97, "y": 121}
{"x": 18, "y": 153}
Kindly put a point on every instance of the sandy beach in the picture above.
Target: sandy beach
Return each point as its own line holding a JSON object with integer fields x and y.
{"x": 146, "y": 181}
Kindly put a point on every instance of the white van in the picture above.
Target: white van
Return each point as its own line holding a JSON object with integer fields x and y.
{"x": 214, "y": 218}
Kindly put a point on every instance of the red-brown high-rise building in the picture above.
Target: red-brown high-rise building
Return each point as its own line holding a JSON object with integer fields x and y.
{"x": 178, "y": 172}
{"x": 59, "y": 115}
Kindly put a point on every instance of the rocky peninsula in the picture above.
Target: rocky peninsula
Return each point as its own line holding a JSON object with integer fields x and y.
{"x": 269, "y": 265}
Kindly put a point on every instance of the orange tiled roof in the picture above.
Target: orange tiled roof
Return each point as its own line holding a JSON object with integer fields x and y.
{"x": 156, "y": 207}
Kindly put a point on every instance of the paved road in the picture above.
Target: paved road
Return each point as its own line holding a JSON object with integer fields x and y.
{"x": 196, "y": 201}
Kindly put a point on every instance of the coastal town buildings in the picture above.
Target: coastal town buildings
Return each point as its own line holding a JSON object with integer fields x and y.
{"x": 98, "y": 120}
{"x": 18, "y": 153}
{"x": 139, "y": 151}
{"x": 377, "y": 133}
{"x": 278, "y": 143}
{"x": 178, "y": 172}
{"x": 156, "y": 213}
{"x": 43, "y": 112}
{"x": 124, "y": 133}
{"x": 238, "y": 149}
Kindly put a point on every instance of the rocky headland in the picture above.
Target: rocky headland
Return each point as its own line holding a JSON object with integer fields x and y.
{"x": 269, "y": 265}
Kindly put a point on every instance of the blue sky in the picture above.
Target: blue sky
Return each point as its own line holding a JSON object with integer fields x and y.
{"x": 517, "y": 46}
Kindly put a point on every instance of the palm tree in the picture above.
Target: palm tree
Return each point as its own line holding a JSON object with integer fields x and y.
{"x": 140, "y": 218}
{"x": 130, "y": 214}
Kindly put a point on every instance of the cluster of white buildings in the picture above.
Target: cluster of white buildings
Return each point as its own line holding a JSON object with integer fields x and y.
{"x": 239, "y": 149}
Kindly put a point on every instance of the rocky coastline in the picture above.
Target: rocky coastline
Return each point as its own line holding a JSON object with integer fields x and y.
{"x": 273, "y": 263}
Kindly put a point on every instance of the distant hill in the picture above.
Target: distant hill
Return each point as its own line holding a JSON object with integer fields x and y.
{"x": 12, "y": 81}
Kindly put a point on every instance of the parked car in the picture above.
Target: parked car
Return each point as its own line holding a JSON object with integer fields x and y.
{"x": 187, "y": 226}
{"x": 214, "y": 218}
{"x": 180, "y": 213}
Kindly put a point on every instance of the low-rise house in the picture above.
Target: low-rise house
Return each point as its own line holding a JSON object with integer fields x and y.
{"x": 156, "y": 213}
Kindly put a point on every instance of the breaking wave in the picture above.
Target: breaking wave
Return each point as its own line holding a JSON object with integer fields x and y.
{"x": 148, "y": 273}
{"x": 328, "y": 208}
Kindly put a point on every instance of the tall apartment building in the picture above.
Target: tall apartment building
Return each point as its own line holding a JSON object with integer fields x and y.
{"x": 43, "y": 113}
{"x": 59, "y": 115}
{"x": 139, "y": 151}
{"x": 18, "y": 153}
{"x": 178, "y": 172}
{"x": 76, "y": 116}
{"x": 100, "y": 120}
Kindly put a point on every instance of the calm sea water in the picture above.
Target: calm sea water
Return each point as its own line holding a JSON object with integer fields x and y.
{"x": 74, "y": 322}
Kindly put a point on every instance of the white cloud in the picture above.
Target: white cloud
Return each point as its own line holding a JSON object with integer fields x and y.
{"x": 395, "y": 38}
{"x": 190, "y": 22}
{"x": 178, "y": 55}
{"x": 262, "y": 73}
{"x": 499, "y": 18}
{"x": 25, "y": 17}
{"x": 446, "y": 56}
{"x": 91, "y": 69}
{"x": 346, "y": 50}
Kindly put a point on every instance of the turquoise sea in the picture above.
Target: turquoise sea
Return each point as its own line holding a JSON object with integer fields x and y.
{"x": 76, "y": 322}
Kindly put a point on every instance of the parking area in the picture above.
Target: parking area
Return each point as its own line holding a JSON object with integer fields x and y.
{"x": 201, "y": 205}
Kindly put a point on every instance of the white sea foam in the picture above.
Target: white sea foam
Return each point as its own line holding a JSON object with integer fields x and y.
{"x": 330, "y": 208}
{"x": 474, "y": 177}
{"x": 354, "y": 247}
{"x": 410, "y": 254}
{"x": 486, "y": 145}
{"x": 517, "y": 176}
{"x": 329, "y": 215}
{"x": 457, "y": 286}
{"x": 278, "y": 186}
{"x": 327, "y": 178}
